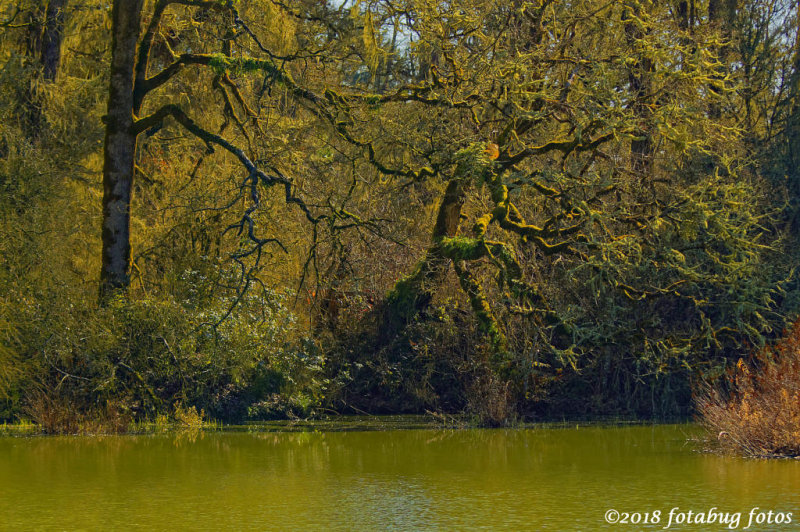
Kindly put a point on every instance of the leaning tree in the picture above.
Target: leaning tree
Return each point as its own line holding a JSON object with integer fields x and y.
{"x": 587, "y": 174}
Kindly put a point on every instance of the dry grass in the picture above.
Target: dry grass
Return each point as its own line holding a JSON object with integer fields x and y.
{"x": 57, "y": 415}
{"x": 760, "y": 416}
{"x": 490, "y": 401}
{"x": 188, "y": 417}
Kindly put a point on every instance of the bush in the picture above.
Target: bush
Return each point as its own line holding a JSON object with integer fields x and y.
{"x": 135, "y": 360}
{"x": 759, "y": 415}
{"x": 57, "y": 414}
{"x": 290, "y": 384}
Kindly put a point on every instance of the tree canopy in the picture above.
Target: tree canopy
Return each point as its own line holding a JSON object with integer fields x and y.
{"x": 292, "y": 207}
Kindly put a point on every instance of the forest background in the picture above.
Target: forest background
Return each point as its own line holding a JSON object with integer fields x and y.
{"x": 515, "y": 210}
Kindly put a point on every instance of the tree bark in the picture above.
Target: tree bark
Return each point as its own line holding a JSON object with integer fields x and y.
{"x": 413, "y": 294}
{"x": 793, "y": 128}
{"x": 45, "y": 34}
{"x": 120, "y": 148}
{"x": 52, "y": 37}
{"x": 639, "y": 74}
{"x": 793, "y": 132}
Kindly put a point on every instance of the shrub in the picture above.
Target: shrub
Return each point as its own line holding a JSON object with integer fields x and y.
{"x": 490, "y": 401}
{"x": 290, "y": 384}
{"x": 58, "y": 414}
{"x": 137, "y": 359}
{"x": 759, "y": 414}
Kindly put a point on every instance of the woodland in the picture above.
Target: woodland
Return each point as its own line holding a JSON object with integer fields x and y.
{"x": 508, "y": 210}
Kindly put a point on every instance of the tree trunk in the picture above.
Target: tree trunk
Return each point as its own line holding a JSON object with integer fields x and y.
{"x": 413, "y": 294}
{"x": 793, "y": 128}
{"x": 793, "y": 133}
{"x": 639, "y": 74}
{"x": 120, "y": 148}
{"x": 52, "y": 37}
{"x": 45, "y": 34}
{"x": 487, "y": 323}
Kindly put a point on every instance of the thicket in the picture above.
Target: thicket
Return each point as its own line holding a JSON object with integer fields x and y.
{"x": 525, "y": 209}
{"x": 757, "y": 413}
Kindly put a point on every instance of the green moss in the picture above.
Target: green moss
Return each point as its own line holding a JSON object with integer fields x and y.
{"x": 403, "y": 300}
{"x": 221, "y": 63}
{"x": 482, "y": 225}
{"x": 473, "y": 162}
{"x": 499, "y": 193}
{"x": 487, "y": 323}
{"x": 462, "y": 248}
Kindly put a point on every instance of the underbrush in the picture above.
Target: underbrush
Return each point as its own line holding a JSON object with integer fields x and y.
{"x": 54, "y": 414}
{"x": 756, "y": 412}
{"x": 80, "y": 368}
{"x": 440, "y": 363}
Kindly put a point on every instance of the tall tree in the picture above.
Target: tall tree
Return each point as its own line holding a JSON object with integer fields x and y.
{"x": 130, "y": 85}
{"x": 792, "y": 127}
{"x": 43, "y": 41}
{"x": 52, "y": 37}
{"x": 120, "y": 147}
{"x": 529, "y": 129}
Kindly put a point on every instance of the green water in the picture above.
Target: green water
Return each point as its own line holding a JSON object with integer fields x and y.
{"x": 523, "y": 479}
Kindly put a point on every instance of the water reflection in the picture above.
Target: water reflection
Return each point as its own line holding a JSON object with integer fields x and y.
{"x": 422, "y": 479}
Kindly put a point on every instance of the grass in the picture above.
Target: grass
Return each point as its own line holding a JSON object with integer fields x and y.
{"x": 759, "y": 414}
{"x": 356, "y": 423}
{"x": 55, "y": 416}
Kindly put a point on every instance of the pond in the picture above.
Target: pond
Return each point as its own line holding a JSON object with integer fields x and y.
{"x": 564, "y": 478}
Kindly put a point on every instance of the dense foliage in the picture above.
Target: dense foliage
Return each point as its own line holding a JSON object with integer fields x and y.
{"x": 291, "y": 208}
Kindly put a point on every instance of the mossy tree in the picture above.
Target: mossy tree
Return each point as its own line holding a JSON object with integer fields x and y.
{"x": 546, "y": 194}
{"x": 131, "y": 82}
{"x": 533, "y": 109}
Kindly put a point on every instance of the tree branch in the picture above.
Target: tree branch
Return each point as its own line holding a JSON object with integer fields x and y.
{"x": 143, "y": 57}
{"x": 255, "y": 175}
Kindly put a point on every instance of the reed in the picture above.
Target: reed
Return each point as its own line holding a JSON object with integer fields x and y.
{"x": 756, "y": 412}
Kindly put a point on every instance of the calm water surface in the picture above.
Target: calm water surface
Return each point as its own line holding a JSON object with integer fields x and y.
{"x": 524, "y": 479}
